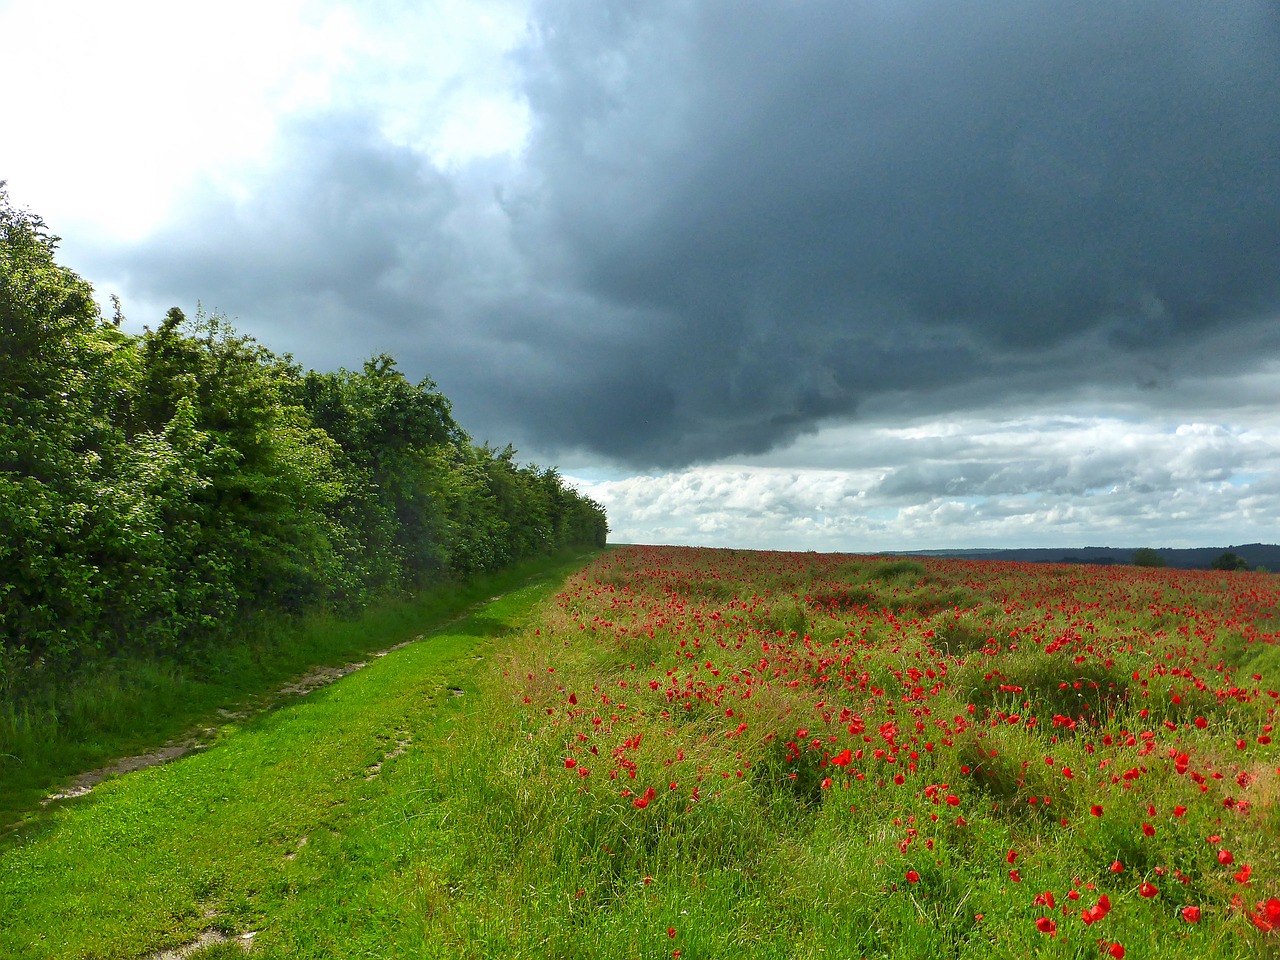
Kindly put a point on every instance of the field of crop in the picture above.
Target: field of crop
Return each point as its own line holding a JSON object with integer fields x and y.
{"x": 711, "y": 753}
{"x": 715, "y": 753}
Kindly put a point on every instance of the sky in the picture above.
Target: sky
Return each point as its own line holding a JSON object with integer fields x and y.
{"x": 852, "y": 275}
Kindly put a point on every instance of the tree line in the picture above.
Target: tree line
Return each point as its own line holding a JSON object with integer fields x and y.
{"x": 157, "y": 489}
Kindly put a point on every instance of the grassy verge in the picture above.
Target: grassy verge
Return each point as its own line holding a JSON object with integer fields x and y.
{"x": 289, "y": 815}
{"x": 124, "y": 707}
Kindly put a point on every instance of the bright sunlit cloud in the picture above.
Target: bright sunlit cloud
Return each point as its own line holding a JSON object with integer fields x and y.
{"x": 1063, "y": 481}
{"x": 127, "y": 105}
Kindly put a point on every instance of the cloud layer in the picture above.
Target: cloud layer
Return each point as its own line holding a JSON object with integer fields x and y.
{"x": 819, "y": 275}
{"x": 1034, "y": 481}
{"x": 719, "y": 228}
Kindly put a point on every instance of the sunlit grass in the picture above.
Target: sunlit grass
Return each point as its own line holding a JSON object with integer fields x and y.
{"x": 66, "y": 724}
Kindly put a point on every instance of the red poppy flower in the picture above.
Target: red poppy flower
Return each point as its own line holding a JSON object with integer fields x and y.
{"x": 913, "y": 877}
{"x": 1045, "y": 925}
{"x": 1148, "y": 889}
{"x": 1191, "y": 914}
{"x": 1116, "y": 950}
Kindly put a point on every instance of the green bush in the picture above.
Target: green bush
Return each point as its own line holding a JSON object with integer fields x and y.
{"x": 157, "y": 490}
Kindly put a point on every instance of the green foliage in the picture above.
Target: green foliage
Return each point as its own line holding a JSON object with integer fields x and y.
{"x": 1229, "y": 561}
{"x": 1147, "y": 557}
{"x": 156, "y": 490}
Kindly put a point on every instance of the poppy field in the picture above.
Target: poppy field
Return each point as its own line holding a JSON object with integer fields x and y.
{"x": 699, "y": 753}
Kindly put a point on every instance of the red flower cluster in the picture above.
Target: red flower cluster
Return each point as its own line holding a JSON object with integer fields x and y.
{"x": 915, "y": 684}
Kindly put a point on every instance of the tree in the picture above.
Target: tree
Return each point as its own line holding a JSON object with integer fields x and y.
{"x": 1147, "y": 557}
{"x": 156, "y": 490}
{"x": 1229, "y": 561}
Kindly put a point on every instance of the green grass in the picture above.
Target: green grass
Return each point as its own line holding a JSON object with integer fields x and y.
{"x": 293, "y": 825}
{"x": 64, "y": 726}
{"x": 386, "y": 817}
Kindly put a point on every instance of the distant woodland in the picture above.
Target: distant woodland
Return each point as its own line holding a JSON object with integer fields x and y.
{"x": 158, "y": 489}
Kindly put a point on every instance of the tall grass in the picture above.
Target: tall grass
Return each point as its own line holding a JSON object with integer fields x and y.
{"x": 961, "y": 767}
{"x": 991, "y": 761}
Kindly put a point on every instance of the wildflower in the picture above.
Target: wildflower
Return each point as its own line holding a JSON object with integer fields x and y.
{"x": 1116, "y": 950}
{"x": 1096, "y": 810}
{"x": 1191, "y": 914}
{"x": 1266, "y": 916}
{"x": 1148, "y": 889}
{"x": 1045, "y": 925}
{"x": 913, "y": 877}
{"x": 1097, "y": 911}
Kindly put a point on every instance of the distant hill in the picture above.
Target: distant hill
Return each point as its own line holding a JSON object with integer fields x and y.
{"x": 1194, "y": 558}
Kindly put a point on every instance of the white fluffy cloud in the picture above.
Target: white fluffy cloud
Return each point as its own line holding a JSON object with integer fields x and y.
{"x": 1034, "y": 481}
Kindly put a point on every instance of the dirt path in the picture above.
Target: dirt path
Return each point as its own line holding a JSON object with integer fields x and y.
{"x": 205, "y": 736}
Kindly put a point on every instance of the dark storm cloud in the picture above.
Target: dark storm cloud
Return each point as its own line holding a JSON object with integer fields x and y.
{"x": 819, "y": 203}
{"x": 735, "y": 221}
